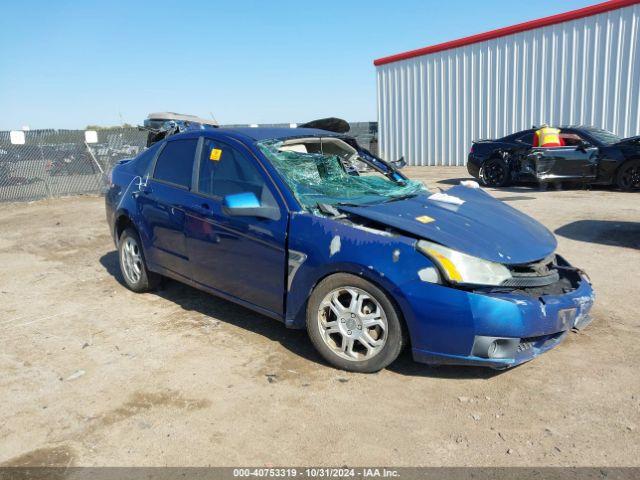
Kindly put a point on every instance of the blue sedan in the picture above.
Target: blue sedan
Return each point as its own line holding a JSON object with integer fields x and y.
{"x": 307, "y": 227}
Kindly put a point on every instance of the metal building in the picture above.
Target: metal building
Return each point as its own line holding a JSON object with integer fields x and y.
{"x": 578, "y": 67}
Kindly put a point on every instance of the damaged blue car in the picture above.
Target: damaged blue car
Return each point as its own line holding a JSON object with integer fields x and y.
{"x": 307, "y": 227}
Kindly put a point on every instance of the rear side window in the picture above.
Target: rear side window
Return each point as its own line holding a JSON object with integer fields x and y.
{"x": 140, "y": 165}
{"x": 175, "y": 163}
{"x": 572, "y": 139}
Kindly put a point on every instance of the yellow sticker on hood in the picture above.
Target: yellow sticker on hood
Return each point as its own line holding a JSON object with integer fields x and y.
{"x": 215, "y": 154}
{"x": 425, "y": 219}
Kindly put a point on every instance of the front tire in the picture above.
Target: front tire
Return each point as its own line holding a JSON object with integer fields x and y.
{"x": 353, "y": 324}
{"x": 628, "y": 177}
{"x": 132, "y": 263}
{"x": 495, "y": 173}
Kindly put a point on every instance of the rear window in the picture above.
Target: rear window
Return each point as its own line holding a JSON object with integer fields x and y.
{"x": 175, "y": 163}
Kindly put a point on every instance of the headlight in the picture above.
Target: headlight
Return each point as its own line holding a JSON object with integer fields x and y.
{"x": 459, "y": 267}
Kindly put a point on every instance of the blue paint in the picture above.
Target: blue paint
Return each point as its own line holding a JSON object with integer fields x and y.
{"x": 190, "y": 237}
{"x": 242, "y": 200}
{"x": 481, "y": 226}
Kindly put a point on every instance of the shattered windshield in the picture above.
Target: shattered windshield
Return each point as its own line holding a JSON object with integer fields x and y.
{"x": 321, "y": 177}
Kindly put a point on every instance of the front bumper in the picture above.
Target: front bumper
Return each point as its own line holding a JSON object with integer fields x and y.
{"x": 458, "y": 326}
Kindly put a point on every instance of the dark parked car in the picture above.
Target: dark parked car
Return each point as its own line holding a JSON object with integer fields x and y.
{"x": 590, "y": 155}
{"x": 367, "y": 261}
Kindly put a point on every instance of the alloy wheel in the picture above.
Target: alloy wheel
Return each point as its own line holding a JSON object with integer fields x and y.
{"x": 493, "y": 173}
{"x": 630, "y": 177}
{"x": 131, "y": 259}
{"x": 352, "y": 323}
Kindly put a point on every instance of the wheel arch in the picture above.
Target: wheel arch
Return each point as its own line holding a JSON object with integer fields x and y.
{"x": 122, "y": 221}
{"x": 498, "y": 155}
{"x": 379, "y": 280}
{"x": 624, "y": 162}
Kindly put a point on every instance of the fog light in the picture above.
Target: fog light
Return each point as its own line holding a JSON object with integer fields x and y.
{"x": 494, "y": 347}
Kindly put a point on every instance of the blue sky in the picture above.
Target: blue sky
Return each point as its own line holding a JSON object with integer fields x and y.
{"x": 66, "y": 64}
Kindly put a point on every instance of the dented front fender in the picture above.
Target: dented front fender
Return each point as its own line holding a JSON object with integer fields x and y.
{"x": 335, "y": 246}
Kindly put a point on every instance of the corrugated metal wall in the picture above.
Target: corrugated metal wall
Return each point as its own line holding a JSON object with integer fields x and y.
{"x": 584, "y": 71}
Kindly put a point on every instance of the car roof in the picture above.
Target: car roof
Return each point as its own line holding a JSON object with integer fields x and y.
{"x": 265, "y": 133}
{"x": 561, "y": 127}
{"x": 250, "y": 135}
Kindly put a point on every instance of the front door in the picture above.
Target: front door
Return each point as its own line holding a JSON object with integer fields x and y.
{"x": 565, "y": 162}
{"x": 240, "y": 256}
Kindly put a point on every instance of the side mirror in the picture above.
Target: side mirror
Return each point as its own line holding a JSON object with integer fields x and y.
{"x": 584, "y": 145}
{"x": 399, "y": 163}
{"x": 246, "y": 204}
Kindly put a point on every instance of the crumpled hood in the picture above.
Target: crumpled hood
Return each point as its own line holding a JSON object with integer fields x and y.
{"x": 482, "y": 226}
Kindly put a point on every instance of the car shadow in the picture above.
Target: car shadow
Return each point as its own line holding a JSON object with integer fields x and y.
{"x": 405, "y": 365}
{"x": 606, "y": 232}
{"x": 296, "y": 341}
{"x": 454, "y": 181}
{"x": 110, "y": 263}
{"x": 192, "y": 299}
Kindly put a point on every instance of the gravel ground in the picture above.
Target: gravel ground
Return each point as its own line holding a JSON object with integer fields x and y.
{"x": 93, "y": 374}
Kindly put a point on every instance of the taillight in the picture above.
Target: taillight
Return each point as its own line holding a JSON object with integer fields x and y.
{"x": 471, "y": 149}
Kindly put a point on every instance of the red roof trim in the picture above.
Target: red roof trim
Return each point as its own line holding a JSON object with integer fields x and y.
{"x": 501, "y": 32}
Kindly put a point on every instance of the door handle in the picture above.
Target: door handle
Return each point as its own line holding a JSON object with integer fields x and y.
{"x": 203, "y": 208}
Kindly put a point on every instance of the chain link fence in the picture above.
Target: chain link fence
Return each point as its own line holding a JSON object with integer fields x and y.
{"x": 55, "y": 163}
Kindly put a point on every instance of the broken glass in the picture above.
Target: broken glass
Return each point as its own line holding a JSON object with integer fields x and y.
{"x": 321, "y": 178}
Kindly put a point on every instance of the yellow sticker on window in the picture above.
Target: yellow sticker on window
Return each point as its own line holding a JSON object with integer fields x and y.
{"x": 425, "y": 219}
{"x": 215, "y": 154}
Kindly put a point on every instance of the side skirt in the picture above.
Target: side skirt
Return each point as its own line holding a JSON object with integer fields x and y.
{"x": 212, "y": 291}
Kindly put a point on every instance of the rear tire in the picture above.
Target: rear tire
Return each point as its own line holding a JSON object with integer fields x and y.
{"x": 495, "y": 173}
{"x": 628, "y": 176}
{"x": 132, "y": 263}
{"x": 353, "y": 324}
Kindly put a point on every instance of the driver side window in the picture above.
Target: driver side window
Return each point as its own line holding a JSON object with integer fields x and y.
{"x": 226, "y": 170}
{"x": 572, "y": 139}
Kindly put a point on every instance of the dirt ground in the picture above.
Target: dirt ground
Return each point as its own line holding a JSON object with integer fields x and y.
{"x": 93, "y": 374}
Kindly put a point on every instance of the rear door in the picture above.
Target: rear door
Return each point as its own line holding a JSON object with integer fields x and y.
{"x": 162, "y": 205}
{"x": 240, "y": 256}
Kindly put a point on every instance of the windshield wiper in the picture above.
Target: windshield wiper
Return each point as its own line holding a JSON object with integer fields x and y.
{"x": 401, "y": 197}
{"x": 329, "y": 209}
{"x": 350, "y": 204}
